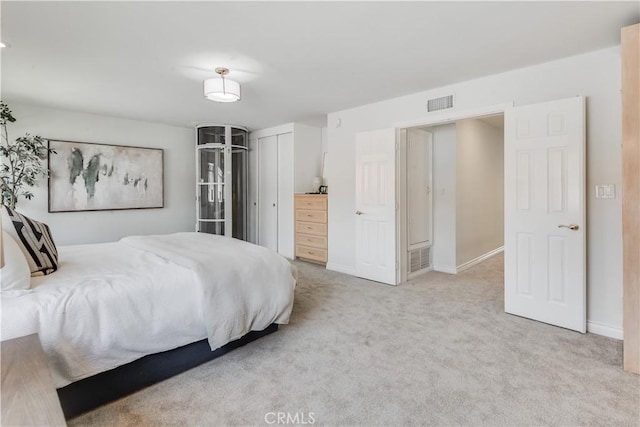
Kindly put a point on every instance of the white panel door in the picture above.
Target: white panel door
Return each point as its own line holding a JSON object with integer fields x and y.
{"x": 545, "y": 212}
{"x": 418, "y": 187}
{"x": 285, "y": 195}
{"x": 268, "y": 192}
{"x": 375, "y": 212}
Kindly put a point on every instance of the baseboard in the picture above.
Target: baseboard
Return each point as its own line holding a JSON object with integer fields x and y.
{"x": 605, "y": 330}
{"x": 445, "y": 269}
{"x": 469, "y": 264}
{"x": 346, "y": 269}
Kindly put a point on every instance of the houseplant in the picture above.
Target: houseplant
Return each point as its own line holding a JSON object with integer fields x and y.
{"x": 21, "y": 161}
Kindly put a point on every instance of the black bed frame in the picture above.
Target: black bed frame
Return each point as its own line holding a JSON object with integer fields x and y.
{"x": 89, "y": 393}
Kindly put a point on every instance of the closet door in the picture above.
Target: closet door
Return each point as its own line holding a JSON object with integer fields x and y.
{"x": 268, "y": 192}
{"x": 285, "y": 195}
{"x": 252, "y": 214}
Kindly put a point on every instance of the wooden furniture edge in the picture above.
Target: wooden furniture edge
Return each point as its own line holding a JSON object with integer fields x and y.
{"x": 630, "y": 48}
{"x": 28, "y": 394}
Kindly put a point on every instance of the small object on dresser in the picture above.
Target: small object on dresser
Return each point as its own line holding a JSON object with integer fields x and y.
{"x": 317, "y": 182}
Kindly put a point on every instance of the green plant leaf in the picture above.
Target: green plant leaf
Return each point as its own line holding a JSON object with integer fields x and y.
{"x": 20, "y": 162}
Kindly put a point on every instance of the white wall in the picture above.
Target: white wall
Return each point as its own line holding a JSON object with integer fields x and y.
{"x": 325, "y": 148}
{"x": 479, "y": 189}
{"x": 595, "y": 75}
{"x": 308, "y": 156}
{"x": 444, "y": 197}
{"x": 104, "y": 226}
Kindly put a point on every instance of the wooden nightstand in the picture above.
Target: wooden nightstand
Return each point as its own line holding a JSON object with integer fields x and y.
{"x": 311, "y": 227}
{"x": 29, "y": 397}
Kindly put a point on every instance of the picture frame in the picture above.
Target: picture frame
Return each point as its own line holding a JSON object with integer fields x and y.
{"x": 87, "y": 176}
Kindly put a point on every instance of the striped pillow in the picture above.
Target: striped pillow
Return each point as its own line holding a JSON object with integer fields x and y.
{"x": 34, "y": 239}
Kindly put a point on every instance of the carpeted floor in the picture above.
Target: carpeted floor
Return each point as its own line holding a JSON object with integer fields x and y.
{"x": 438, "y": 350}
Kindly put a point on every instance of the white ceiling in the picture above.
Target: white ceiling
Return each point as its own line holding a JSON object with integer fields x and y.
{"x": 296, "y": 61}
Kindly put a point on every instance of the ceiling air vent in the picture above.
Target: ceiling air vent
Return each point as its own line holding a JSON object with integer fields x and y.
{"x": 442, "y": 103}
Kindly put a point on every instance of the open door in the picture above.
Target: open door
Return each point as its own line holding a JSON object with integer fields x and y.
{"x": 545, "y": 223}
{"x": 375, "y": 212}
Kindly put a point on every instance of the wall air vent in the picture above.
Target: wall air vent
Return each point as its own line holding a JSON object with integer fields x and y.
{"x": 442, "y": 103}
{"x": 419, "y": 259}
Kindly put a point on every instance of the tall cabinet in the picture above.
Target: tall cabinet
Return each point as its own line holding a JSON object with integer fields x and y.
{"x": 283, "y": 160}
{"x": 311, "y": 227}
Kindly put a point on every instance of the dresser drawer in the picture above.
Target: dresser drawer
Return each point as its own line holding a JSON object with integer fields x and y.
{"x": 313, "y": 241}
{"x": 311, "y": 227}
{"x": 311, "y": 202}
{"x": 314, "y": 254}
{"x": 314, "y": 228}
{"x": 311, "y": 216}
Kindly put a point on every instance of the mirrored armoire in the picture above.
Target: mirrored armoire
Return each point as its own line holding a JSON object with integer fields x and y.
{"x": 221, "y": 180}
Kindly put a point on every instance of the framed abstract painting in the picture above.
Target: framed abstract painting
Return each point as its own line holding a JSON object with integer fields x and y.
{"x": 91, "y": 177}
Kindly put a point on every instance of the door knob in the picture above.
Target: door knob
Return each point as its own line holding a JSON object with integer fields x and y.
{"x": 359, "y": 213}
{"x": 572, "y": 227}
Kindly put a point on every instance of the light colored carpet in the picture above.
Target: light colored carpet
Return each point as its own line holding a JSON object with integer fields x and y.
{"x": 436, "y": 351}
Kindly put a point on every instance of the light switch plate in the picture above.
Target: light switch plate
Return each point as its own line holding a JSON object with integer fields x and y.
{"x": 605, "y": 191}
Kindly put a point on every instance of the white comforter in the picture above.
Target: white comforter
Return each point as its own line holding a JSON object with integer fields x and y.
{"x": 112, "y": 303}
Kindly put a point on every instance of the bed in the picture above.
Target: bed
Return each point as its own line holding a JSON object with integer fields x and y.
{"x": 112, "y": 305}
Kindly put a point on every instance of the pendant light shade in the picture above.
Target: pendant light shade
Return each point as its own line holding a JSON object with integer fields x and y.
{"x": 222, "y": 89}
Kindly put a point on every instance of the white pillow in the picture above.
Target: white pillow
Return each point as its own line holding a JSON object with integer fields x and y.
{"x": 15, "y": 274}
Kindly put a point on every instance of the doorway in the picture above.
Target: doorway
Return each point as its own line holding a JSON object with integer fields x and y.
{"x": 544, "y": 211}
{"x": 456, "y": 200}
{"x": 544, "y": 208}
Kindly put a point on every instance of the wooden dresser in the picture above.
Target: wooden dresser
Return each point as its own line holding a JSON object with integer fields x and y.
{"x": 311, "y": 227}
{"x": 28, "y": 395}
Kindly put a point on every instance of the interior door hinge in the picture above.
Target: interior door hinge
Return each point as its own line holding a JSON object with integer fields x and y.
{"x": 397, "y": 148}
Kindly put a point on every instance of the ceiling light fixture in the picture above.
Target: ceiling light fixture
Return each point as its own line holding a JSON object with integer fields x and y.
{"x": 2, "y": 45}
{"x": 222, "y": 90}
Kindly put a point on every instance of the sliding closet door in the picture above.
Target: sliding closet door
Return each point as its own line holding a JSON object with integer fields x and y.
{"x": 252, "y": 214}
{"x": 268, "y": 192}
{"x": 285, "y": 195}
